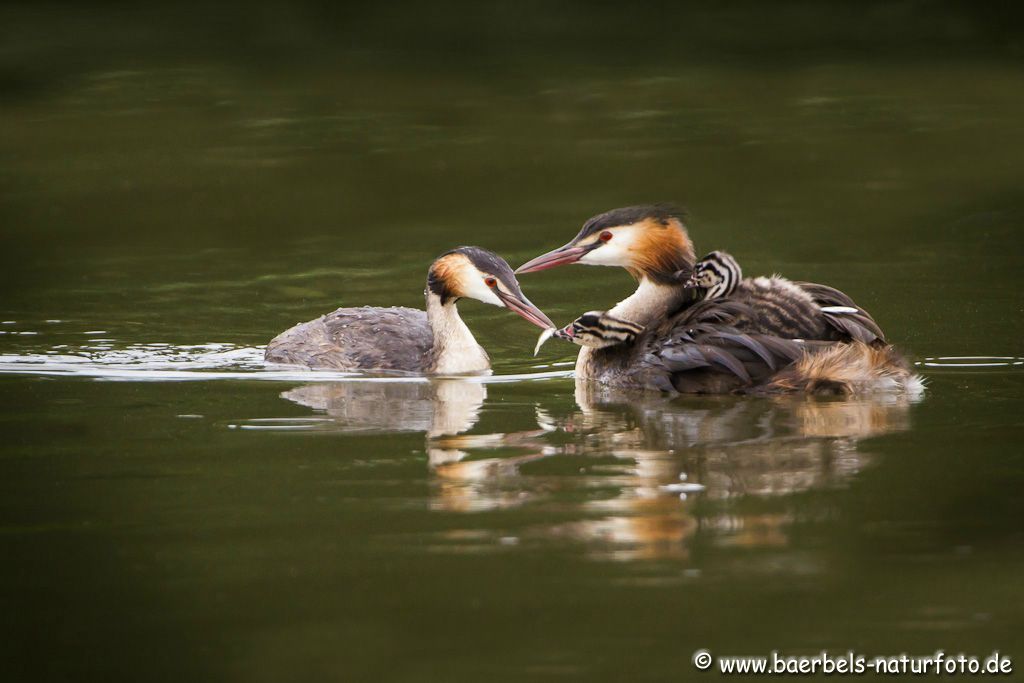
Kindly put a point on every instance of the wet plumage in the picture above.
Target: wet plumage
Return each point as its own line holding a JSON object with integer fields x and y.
{"x": 338, "y": 341}
{"x": 742, "y": 343}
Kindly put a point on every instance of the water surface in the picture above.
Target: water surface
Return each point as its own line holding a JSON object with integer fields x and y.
{"x": 172, "y": 196}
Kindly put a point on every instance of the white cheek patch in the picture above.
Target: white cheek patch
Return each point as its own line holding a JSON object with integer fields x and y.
{"x": 608, "y": 254}
{"x": 614, "y": 252}
{"x": 474, "y": 287}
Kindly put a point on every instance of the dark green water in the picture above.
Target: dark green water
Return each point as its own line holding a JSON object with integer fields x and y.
{"x": 179, "y": 185}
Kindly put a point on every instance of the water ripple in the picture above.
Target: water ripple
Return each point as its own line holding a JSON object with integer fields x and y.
{"x": 972, "y": 362}
{"x": 161, "y": 362}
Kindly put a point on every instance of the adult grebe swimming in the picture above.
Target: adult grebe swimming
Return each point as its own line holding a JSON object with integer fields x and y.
{"x": 768, "y": 334}
{"x": 435, "y": 342}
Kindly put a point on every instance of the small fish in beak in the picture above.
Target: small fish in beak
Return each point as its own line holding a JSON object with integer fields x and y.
{"x": 565, "y": 333}
{"x": 544, "y": 336}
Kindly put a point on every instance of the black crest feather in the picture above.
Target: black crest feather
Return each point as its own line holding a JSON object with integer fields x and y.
{"x": 628, "y": 215}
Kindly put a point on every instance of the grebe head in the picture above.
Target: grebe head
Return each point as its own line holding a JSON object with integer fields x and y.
{"x": 599, "y": 330}
{"x": 479, "y": 274}
{"x": 718, "y": 274}
{"x": 649, "y": 241}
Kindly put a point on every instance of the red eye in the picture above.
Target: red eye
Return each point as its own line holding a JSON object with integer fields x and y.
{"x": 490, "y": 282}
{"x": 604, "y": 236}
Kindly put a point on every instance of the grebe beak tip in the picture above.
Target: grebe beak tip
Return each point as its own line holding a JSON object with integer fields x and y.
{"x": 525, "y": 309}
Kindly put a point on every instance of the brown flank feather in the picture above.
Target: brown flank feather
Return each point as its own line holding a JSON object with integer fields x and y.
{"x": 847, "y": 369}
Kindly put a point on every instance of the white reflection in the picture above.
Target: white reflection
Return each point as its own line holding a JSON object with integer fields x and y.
{"x": 437, "y": 407}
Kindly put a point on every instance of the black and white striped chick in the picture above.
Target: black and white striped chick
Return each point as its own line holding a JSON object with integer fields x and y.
{"x": 599, "y": 330}
{"x": 594, "y": 330}
{"x": 718, "y": 274}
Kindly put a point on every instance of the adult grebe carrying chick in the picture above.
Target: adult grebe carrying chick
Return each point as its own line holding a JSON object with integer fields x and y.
{"x": 408, "y": 340}
{"x": 716, "y": 276}
{"x": 759, "y": 334}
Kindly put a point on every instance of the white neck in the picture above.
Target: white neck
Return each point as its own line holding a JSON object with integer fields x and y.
{"x": 455, "y": 350}
{"x": 646, "y": 306}
{"x": 649, "y": 303}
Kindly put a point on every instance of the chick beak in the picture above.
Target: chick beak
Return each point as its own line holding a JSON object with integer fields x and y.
{"x": 521, "y": 306}
{"x": 559, "y": 257}
{"x": 566, "y": 333}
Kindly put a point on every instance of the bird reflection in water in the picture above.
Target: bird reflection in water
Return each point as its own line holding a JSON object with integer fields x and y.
{"x": 624, "y": 472}
{"x": 436, "y": 407}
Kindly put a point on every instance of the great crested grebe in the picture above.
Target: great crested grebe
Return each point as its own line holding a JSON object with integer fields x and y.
{"x": 769, "y": 334}
{"x": 435, "y": 342}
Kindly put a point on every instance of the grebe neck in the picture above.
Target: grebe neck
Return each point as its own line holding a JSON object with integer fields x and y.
{"x": 650, "y": 302}
{"x": 455, "y": 350}
{"x": 647, "y": 306}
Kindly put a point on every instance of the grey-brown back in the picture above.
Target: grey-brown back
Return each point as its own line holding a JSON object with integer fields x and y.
{"x": 361, "y": 339}
{"x": 734, "y": 343}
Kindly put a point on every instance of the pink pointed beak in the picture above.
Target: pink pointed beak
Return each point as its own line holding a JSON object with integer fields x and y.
{"x": 559, "y": 257}
{"x": 524, "y": 308}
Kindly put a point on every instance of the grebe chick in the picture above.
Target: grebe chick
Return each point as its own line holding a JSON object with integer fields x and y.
{"x": 718, "y": 274}
{"x": 595, "y": 330}
{"x": 398, "y": 339}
